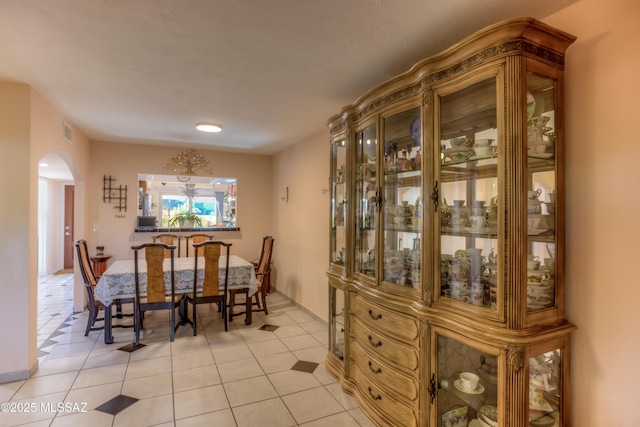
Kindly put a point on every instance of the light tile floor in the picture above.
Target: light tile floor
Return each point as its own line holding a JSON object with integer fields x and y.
{"x": 242, "y": 377}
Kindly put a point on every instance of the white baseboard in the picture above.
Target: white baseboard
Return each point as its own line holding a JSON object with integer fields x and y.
{"x": 24, "y": 374}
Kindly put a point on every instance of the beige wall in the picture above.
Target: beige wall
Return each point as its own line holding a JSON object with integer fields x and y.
{"x": 301, "y": 224}
{"x": 17, "y": 358}
{"x": 123, "y": 162}
{"x": 30, "y": 128}
{"x": 603, "y": 290}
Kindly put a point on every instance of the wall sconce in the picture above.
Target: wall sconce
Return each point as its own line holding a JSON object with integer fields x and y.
{"x": 285, "y": 198}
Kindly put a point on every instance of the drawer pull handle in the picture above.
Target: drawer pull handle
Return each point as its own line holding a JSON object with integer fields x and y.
{"x": 375, "y": 371}
{"x": 375, "y": 344}
{"x": 373, "y": 396}
{"x": 376, "y": 316}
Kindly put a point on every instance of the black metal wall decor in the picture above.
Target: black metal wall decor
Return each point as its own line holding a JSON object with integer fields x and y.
{"x": 112, "y": 194}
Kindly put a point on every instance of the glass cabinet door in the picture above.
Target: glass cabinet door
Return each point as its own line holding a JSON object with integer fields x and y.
{"x": 467, "y": 384}
{"x": 541, "y": 193}
{"x": 368, "y": 199}
{"x": 469, "y": 186}
{"x": 338, "y": 200}
{"x": 402, "y": 204}
{"x": 545, "y": 396}
{"x": 336, "y": 329}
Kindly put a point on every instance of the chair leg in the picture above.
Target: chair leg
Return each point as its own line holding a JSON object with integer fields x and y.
{"x": 193, "y": 316}
{"x": 90, "y": 321}
{"x": 173, "y": 323}
{"x": 232, "y": 298}
{"x": 137, "y": 324}
{"x": 224, "y": 316}
{"x": 264, "y": 302}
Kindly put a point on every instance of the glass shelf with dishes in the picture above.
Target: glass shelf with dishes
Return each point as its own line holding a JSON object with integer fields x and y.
{"x": 338, "y": 182}
{"x": 468, "y": 195}
{"x": 401, "y": 195}
{"x": 337, "y": 328}
{"x": 545, "y": 376}
{"x": 367, "y": 196}
{"x": 541, "y": 193}
{"x": 465, "y": 384}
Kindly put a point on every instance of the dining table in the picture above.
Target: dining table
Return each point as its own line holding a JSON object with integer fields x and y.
{"x": 118, "y": 282}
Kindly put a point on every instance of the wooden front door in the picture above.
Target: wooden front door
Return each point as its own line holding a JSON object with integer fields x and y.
{"x": 68, "y": 226}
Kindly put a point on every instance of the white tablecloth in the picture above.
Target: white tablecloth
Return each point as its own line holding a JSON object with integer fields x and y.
{"x": 118, "y": 281}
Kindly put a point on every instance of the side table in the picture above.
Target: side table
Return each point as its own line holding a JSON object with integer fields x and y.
{"x": 99, "y": 264}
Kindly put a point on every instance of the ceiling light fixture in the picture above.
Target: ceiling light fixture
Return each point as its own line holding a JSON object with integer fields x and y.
{"x": 209, "y": 127}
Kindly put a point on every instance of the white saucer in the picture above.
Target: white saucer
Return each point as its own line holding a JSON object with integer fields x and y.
{"x": 535, "y": 231}
{"x": 479, "y": 389}
{"x": 546, "y": 407}
{"x": 540, "y": 385}
{"x": 541, "y": 155}
{"x": 482, "y": 230}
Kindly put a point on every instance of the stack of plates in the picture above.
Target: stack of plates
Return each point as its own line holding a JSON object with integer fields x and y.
{"x": 488, "y": 416}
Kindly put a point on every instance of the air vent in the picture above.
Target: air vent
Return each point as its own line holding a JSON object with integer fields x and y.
{"x": 68, "y": 133}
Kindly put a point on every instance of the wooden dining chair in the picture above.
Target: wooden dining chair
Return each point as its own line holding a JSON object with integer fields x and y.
{"x": 263, "y": 273}
{"x": 168, "y": 239}
{"x": 197, "y": 238}
{"x": 90, "y": 281}
{"x": 213, "y": 289}
{"x": 157, "y": 298}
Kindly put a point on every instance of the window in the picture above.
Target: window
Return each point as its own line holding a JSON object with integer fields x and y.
{"x": 210, "y": 200}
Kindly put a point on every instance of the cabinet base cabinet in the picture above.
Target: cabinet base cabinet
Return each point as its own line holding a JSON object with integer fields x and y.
{"x": 447, "y": 246}
{"x": 381, "y": 402}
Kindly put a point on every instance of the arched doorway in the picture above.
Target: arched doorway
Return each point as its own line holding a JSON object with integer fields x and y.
{"x": 55, "y": 214}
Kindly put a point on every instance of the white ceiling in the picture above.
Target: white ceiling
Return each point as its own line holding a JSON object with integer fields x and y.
{"x": 271, "y": 72}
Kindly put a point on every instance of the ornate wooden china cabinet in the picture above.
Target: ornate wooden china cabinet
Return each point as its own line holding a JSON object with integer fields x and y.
{"x": 446, "y": 274}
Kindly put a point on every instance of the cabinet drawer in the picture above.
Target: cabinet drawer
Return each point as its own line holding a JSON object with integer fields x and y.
{"x": 386, "y": 320}
{"x": 372, "y": 394}
{"x": 383, "y": 374}
{"x": 388, "y": 348}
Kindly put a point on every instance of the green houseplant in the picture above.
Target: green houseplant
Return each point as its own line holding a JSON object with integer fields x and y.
{"x": 185, "y": 219}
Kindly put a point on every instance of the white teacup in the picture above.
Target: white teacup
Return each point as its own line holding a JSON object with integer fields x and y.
{"x": 458, "y": 286}
{"x": 483, "y": 151}
{"x": 484, "y": 142}
{"x": 533, "y": 265}
{"x": 464, "y": 297}
{"x": 533, "y": 220}
{"x": 477, "y": 222}
{"x": 476, "y": 298}
{"x": 469, "y": 381}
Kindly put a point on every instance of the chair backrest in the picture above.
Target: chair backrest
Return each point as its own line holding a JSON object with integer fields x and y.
{"x": 85, "y": 266}
{"x": 168, "y": 239}
{"x": 197, "y": 238}
{"x": 154, "y": 256}
{"x": 212, "y": 251}
{"x": 264, "y": 265}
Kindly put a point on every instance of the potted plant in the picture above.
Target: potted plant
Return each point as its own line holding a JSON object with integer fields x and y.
{"x": 185, "y": 220}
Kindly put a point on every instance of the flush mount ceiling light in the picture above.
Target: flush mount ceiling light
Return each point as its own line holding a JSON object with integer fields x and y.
{"x": 209, "y": 127}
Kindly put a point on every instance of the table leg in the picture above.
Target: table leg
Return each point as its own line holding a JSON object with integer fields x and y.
{"x": 249, "y": 309}
{"x": 108, "y": 337}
